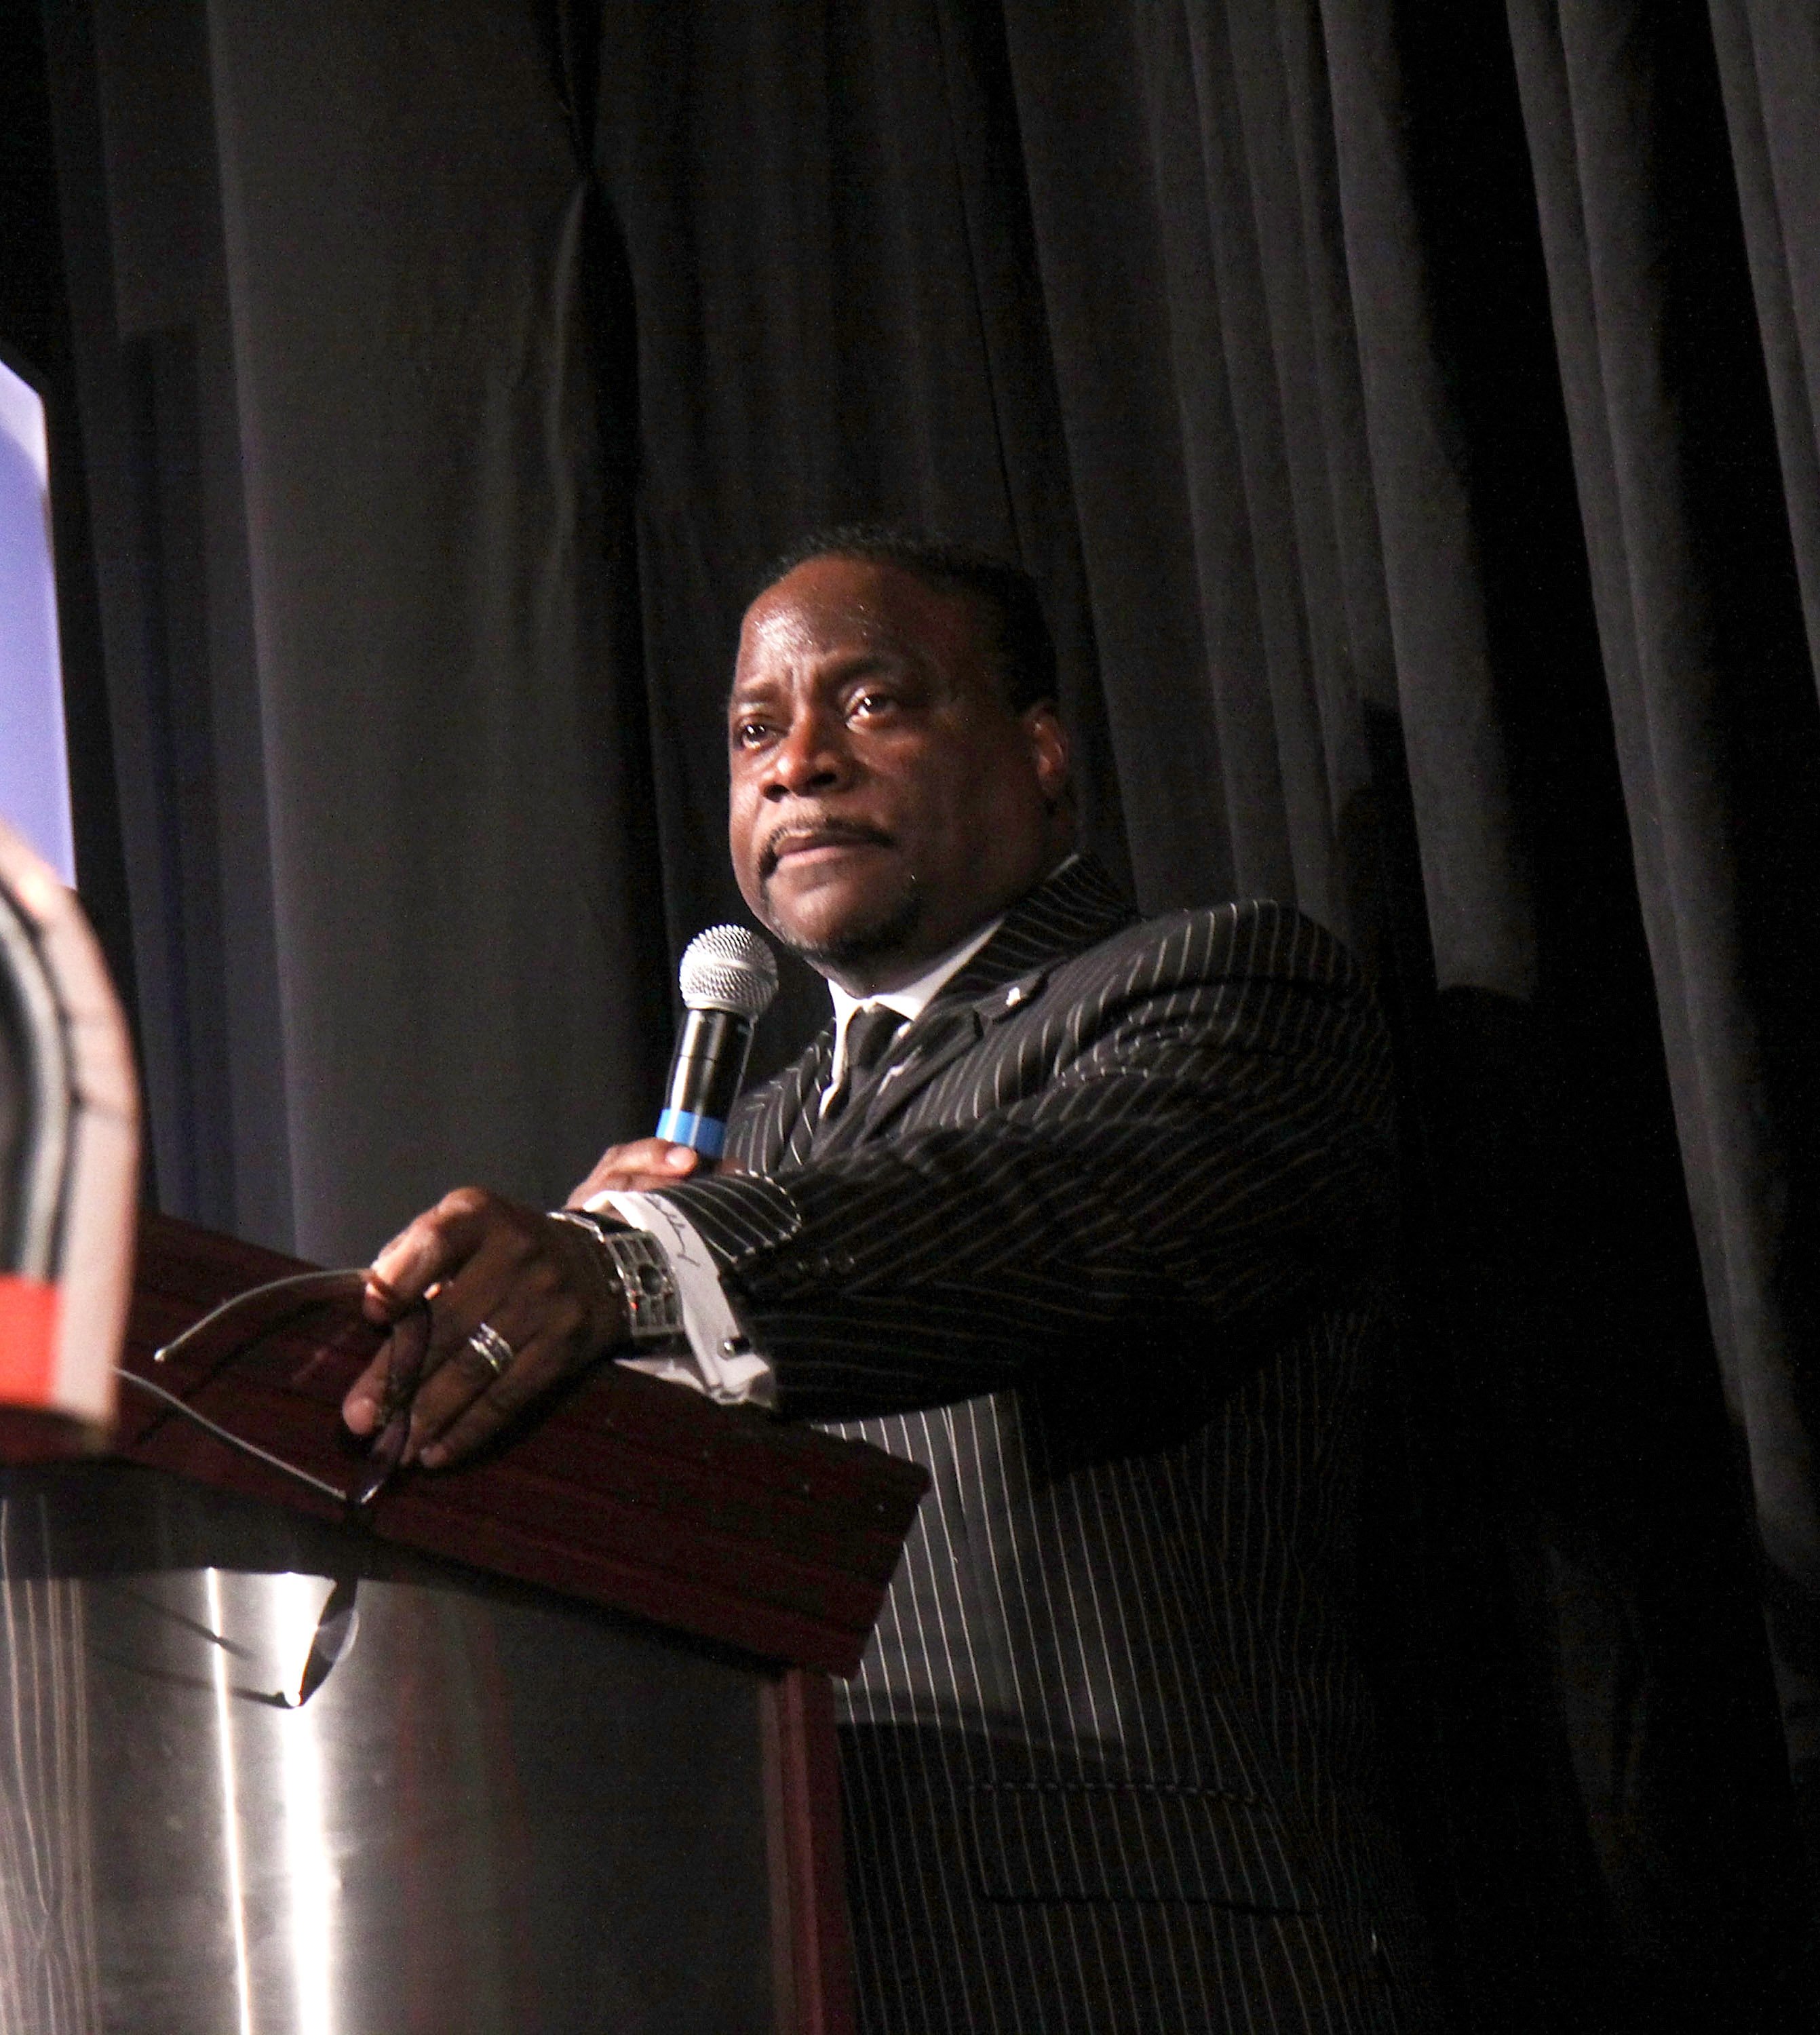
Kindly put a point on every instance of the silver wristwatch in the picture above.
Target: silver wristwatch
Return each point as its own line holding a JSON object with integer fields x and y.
{"x": 653, "y": 1306}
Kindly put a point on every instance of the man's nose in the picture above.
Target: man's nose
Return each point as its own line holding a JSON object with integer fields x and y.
{"x": 812, "y": 757}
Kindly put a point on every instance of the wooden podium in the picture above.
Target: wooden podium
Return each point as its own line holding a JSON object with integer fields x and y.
{"x": 716, "y": 1535}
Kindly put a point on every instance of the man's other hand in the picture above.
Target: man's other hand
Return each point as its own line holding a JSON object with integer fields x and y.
{"x": 542, "y": 1285}
{"x": 646, "y": 1163}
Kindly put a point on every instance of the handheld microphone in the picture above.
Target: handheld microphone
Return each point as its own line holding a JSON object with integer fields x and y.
{"x": 728, "y": 978}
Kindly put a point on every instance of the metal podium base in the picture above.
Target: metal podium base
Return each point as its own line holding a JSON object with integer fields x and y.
{"x": 260, "y": 1777}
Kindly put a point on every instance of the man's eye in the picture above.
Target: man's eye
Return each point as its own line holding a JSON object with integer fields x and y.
{"x": 866, "y": 705}
{"x": 749, "y": 734}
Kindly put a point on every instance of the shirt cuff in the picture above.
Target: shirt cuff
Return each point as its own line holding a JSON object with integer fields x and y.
{"x": 720, "y": 1363}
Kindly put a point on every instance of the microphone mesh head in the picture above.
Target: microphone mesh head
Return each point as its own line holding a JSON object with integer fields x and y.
{"x": 728, "y": 969}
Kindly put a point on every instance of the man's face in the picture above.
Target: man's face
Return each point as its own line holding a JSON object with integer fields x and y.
{"x": 885, "y": 799}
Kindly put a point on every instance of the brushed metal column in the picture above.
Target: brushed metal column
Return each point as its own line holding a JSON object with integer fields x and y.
{"x": 446, "y": 1806}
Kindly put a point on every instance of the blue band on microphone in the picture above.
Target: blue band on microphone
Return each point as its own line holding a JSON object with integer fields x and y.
{"x": 706, "y": 1134}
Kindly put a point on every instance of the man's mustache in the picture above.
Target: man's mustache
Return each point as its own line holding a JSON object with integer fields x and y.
{"x": 816, "y": 833}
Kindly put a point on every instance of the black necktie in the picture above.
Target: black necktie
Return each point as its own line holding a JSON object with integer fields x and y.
{"x": 870, "y": 1034}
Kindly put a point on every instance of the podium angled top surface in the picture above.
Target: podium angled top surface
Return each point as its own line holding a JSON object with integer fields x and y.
{"x": 719, "y": 1523}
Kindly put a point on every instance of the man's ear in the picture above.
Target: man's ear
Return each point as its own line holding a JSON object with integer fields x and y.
{"x": 1049, "y": 751}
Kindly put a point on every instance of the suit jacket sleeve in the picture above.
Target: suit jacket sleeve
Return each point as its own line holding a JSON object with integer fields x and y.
{"x": 1185, "y": 1129}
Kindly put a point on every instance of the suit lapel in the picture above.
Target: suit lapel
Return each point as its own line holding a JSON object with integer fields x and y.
{"x": 785, "y": 1123}
{"x": 1075, "y": 909}
{"x": 798, "y": 1134}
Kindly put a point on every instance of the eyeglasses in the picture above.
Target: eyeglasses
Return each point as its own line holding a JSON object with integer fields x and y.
{"x": 320, "y": 1316}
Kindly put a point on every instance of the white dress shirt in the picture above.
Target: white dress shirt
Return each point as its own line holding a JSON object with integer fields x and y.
{"x": 720, "y": 1361}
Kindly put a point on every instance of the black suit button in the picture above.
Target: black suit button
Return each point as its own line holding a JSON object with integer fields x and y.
{"x": 844, "y": 1262}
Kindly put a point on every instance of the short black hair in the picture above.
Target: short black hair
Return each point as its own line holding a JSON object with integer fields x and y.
{"x": 1004, "y": 596}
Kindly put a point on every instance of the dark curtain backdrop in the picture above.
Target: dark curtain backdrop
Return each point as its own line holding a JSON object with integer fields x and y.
{"x": 1409, "y": 410}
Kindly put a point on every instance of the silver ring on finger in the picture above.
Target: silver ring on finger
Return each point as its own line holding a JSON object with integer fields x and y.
{"x": 492, "y": 1348}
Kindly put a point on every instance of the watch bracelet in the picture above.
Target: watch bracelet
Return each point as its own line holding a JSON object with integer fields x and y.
{"x": 642, "y": 1272}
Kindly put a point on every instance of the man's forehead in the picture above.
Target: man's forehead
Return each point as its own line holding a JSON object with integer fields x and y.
{"x": 831, "y": 605}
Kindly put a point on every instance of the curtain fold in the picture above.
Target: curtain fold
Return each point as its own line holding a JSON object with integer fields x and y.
{"x": 1712, "y": 692}
{"x": 458, "y": 787}
{"x": 1768, "y": 53}
{"x": 1472, "y": 865}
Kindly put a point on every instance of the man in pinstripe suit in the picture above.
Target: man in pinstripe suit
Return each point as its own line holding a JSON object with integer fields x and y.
{"x": 1082, "y": 1213}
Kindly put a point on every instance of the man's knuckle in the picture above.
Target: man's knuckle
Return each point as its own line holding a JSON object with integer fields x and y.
{"x": 542, "y": 1278}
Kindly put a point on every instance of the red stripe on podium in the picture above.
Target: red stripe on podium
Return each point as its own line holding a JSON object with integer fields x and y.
{"x": 28, "y": 1316}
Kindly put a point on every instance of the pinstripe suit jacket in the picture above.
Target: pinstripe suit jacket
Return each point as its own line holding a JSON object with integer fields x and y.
{"x": 1091, "y": 1246}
